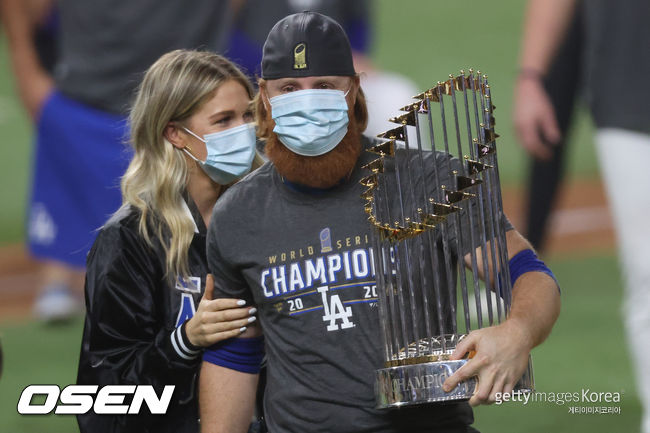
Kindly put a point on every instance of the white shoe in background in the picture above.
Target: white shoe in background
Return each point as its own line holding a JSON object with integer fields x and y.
{"x": 57, "y": 303}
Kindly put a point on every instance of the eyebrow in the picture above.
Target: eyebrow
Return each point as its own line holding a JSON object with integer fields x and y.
{"x": 329, "y": 81}
{"x": 289, "y": 81}
{"x": 224, "y": 113}
{"x": 249, "y": 107}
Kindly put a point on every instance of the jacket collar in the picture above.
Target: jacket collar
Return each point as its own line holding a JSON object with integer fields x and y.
{"x": 192, "y": 211}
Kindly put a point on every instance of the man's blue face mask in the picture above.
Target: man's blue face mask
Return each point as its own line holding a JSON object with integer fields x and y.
{"x": 230, "y": 153}
{"x": 310, "y": 122}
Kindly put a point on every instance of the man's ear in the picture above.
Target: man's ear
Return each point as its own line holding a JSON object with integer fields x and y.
{"x": 354, "y": 90}
{"x": 173, "y": 134}
{"x": 262, "y": 109}
{"x": 264, "y": 96}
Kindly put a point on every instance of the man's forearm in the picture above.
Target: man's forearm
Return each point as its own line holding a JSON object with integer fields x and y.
{"x": 535, "y": 296}
{"x": 535, "y": 305}
{"x": 501, "y": 351}
{"x": 18, "y": 28}
{"x": 545, "y": 25}
{"x": 33, "y": 82}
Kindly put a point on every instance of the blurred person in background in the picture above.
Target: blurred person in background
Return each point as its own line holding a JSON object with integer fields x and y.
{"x": 547, "y": 143}
{"x": 385, "y": 91}
{"x": 616, "y": 42}
{"x": 31, "y": 27}
{"x": 79, "y": 111}
{"x": 192, "y": 137}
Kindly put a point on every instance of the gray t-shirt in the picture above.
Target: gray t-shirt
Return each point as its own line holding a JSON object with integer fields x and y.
{"x": 305, "y": 260}
{"x": 617, "y": 62}
{"x": 107, "y": 45}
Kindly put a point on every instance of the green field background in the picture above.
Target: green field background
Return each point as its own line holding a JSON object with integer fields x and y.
{"x": 424, "y": 40}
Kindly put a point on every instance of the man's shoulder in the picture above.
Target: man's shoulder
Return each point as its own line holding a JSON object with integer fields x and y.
{"x": 368, "y": 141}
{"x": 263, "y": 175}
{"x": 252, "y": 183}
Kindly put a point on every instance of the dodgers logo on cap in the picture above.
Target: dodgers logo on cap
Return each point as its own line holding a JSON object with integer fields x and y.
{"x": 300, "y": 56}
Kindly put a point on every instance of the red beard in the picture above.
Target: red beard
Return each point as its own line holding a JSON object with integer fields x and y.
{"x": 323, "y": 171}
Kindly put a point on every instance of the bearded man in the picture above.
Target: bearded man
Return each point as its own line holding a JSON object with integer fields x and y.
{"x": 293, "y": 240}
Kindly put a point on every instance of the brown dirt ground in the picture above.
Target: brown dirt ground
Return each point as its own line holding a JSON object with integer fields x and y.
{"x": 581, "y": 224}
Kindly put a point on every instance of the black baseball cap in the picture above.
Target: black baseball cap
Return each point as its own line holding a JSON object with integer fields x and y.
{"x": 306, "y": 44}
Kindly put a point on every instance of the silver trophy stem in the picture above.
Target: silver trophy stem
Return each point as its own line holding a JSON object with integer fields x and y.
{"x": 459, "y": 236}
{"x": 407, "y": 250}
{"x": 481, "y": 203}
{"x": 470, "y": 215}
{"x": 398, "y": 287}
{"x": 419, "y": 251}
{"x": 504, "y": 252}
{"x": 444, "y": 235}
{"x": 489, "y": 218}
{"x": 380, "y": 278}
{"x": 497, "y": 246}
{"x": 388, "y": 288}
{"x": 431, "y": 239}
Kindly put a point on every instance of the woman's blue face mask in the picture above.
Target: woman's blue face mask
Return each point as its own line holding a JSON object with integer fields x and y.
{"x": 310, "y": 122}
{"x": 230, "y": 153}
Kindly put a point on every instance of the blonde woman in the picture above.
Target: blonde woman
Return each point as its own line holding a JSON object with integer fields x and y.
{"x": 148, "y": 315}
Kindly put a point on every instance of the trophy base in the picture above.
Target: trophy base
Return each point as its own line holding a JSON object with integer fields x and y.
{"x": 422, "y": 383}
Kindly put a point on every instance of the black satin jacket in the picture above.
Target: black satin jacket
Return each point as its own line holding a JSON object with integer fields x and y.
{"x": 132, "y": 333}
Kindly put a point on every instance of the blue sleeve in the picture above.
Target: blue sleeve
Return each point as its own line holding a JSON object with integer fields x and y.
{"x": 240, "y": 354}
{"x": 527, "y": 261}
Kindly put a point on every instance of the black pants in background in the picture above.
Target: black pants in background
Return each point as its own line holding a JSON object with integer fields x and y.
{"x": 562, "y": 84}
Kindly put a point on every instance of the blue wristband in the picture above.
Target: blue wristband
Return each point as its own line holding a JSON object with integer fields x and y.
{"x": 241, "y": 354}
{"x": 527, "y": 261}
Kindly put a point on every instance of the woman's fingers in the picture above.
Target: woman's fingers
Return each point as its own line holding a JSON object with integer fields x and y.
{"x": 223, "y": 304}
{"x": 213, "y": 328}
{"x": 227, "y": 315}
{"x": 209, "y": 287}
{"x": 224, "y": 335}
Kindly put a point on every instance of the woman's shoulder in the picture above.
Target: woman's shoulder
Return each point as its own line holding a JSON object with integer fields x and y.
{"x": 120, "y": 247}
{"x": 120, "y": 233}
{"x": 126, "y": 218}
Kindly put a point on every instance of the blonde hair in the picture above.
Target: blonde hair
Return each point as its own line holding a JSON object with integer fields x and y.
{"x": 173, "y": 89}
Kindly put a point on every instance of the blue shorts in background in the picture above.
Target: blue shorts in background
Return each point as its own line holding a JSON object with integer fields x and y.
{"x": 80, "y": 155}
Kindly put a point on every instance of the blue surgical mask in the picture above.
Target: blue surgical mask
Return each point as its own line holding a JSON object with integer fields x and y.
{"x": 230, "y": 153}
{"x": 310, "y": 122}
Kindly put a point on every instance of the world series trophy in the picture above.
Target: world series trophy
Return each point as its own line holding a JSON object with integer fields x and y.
{"x": 434, "y": 200}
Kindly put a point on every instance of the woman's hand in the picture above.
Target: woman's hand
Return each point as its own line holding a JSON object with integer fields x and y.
{"x": 218, "y": 319}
